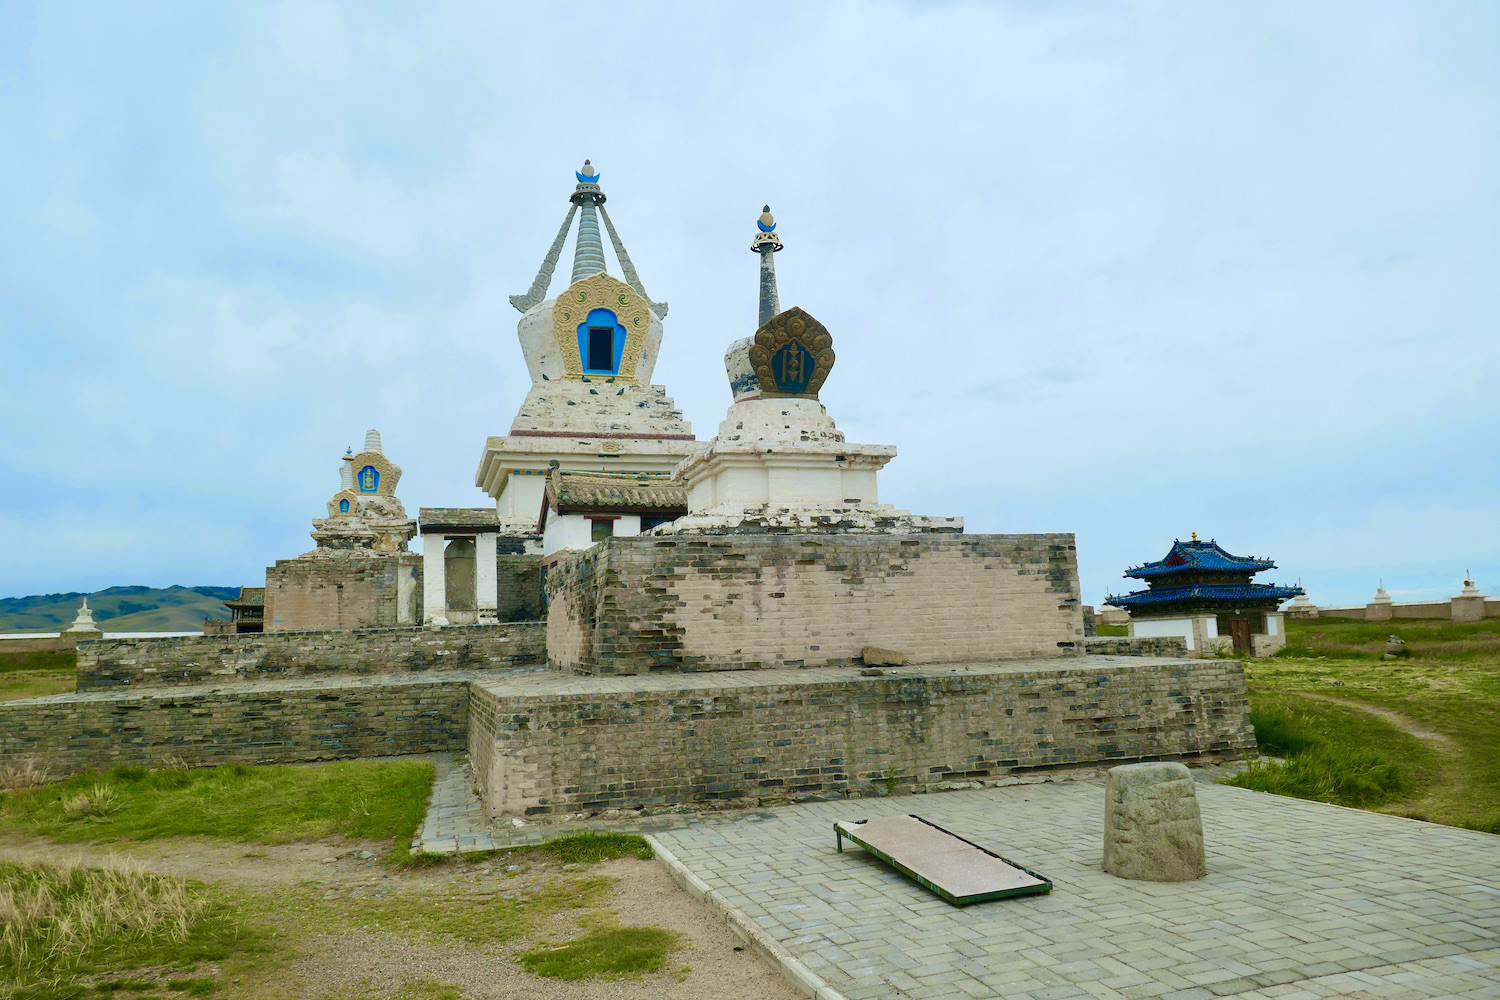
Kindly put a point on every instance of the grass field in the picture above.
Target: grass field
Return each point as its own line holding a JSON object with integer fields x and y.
{"x": 255, "y": 804}
{"x": 32, "y": 675}
{"x": 70, "y": 931}
{"x": 1418, "y": 736}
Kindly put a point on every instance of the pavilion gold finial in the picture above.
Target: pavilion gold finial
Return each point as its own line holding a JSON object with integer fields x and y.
{"x": 1195, "y": 536}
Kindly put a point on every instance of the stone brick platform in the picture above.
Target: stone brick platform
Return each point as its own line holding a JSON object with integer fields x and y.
{"x": 232, "y": 659}
{"x": 1302, "y": 900}
{"x": 256, "y": 722}
{"x": 549, "y": 743}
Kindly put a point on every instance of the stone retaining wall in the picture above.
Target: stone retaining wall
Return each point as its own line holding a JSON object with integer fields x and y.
{"x": 549, "y": 743}
{"x": 227, "y": 659}
{"x": 1138, "y": 645}
{"x": 740, "y": 601}
{"x": 253, "y": 723}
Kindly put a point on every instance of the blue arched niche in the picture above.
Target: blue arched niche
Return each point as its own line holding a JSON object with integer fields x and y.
{"x": 601, "y": 338}
{"x": 369, "y": 479}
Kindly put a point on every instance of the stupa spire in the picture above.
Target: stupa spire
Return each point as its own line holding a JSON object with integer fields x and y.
{"x": 588, "y": 253}
{"x": 766, "y": 243}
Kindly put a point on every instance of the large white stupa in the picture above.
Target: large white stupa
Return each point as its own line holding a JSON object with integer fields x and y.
{"x": 590, "y": 352}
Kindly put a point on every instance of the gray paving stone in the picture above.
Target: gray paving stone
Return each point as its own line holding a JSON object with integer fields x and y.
{"x": 1301, "y": 899}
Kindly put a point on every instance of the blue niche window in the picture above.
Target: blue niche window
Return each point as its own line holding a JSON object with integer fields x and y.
{"x": 601, "y": 343}
{"x": 369, "y": 479}
{"x": 343, "y": 506}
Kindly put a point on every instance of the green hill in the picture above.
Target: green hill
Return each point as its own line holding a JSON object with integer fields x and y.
{"x": 119, "y": 609}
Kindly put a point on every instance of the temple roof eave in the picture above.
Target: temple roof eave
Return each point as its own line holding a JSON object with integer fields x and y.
{"x": 1257, "y": 596}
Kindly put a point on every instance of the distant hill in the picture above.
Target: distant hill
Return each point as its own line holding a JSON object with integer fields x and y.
{"x": 119, "y": 609}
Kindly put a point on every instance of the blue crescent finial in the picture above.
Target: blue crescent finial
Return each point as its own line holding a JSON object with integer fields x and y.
{"x": 588, "y": 175}
{"x": 767, "y": 221}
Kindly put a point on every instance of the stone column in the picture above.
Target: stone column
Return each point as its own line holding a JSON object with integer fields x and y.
{"x": 486, "y": 578}
{"x": 434, "y": 582}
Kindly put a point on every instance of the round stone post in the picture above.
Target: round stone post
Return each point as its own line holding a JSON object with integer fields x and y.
{"x": 1152, "y": 829}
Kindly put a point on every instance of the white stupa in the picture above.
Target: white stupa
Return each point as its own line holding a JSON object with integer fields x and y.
{"x": 85, "y": 620}
{"x": 779, "y": 462}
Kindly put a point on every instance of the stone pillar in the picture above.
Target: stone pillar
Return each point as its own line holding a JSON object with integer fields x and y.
{"x": 486, "y": 577}
{"x": 1152, "y": 829}
{"x": 434, "y": 583}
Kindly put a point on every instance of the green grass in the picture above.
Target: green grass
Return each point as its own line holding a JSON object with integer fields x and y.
{"x": 60, "y": 924}
{"x": 1449, "y": 684}
{"x": 609, "y": 953}
{"x": 1334, "y": 754}
{"x": 32, "y": 675}
{"x": 1116, "y": 630}
{"x": 33, "y": 661}
{"x": 1426, "y": 638}
{"x": 267, "y": 804}
{"x": 590, "y": 848}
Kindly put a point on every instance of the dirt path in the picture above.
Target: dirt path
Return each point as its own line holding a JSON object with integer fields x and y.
{"x": 350, "y": 963}
{"x": 1438, "y": 740}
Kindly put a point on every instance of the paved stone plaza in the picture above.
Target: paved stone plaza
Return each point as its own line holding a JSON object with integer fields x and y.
{"x": 1301, "y": 900}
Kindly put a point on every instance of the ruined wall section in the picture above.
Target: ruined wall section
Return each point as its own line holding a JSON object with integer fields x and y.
{"x": 748, "y": 601}
{"x": 233, "y": 659}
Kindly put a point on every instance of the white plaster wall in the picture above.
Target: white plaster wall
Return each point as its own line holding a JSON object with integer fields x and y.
{"x": 1274, "y": 624}
{"x": 566, "y": 531}
{"x": 521, "y": 500}
{"x": 539, "y": 343}
{"x": 1180, "y": 627}
{"x": 576, "y": 531}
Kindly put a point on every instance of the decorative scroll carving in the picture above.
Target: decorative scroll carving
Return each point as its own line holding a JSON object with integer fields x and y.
{"x": 388, "y": 473}
{"x": 600, "y": 291}
{"x": 792, "y": 354}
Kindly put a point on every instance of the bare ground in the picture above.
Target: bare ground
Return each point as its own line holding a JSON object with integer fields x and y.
{"x": 376, "y": 963}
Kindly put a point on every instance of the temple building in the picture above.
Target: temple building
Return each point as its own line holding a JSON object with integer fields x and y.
{"x": 1205, "y": 595}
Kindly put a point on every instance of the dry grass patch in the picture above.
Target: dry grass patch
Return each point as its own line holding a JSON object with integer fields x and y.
{"x": 61, "y": 926}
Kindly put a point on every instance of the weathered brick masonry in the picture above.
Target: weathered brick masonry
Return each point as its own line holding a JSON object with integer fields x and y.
{"x": 550, "y": 743}
{"x": 1135, "y": 645}
{"x": 269, "y": 722}
{"x": 379, "y": 590}
{"x": 224, "y": 659}
{"x": 738, "y": 601}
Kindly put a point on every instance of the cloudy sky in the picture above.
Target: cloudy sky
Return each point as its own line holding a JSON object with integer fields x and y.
{"x": 1125, "y": 270}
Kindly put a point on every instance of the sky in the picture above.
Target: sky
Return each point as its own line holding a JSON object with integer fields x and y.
{"x": 1126, "y": 270}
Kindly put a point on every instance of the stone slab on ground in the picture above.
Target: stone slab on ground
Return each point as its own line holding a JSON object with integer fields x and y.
{"x": 1301, "y": 900}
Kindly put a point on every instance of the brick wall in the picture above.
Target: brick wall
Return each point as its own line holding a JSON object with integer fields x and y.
{"x": 268, "y": 723}
{"x": 551, "y": 743}
{"x": 719, "y": 602}
{"x": 344, "y": 592}
{"x": 222, "y": 659}
{"x": 1141, "y": 645}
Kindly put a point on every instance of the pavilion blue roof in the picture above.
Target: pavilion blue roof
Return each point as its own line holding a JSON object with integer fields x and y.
{"x": 1196, "y": 555}
{"x": 1206, "y": 594}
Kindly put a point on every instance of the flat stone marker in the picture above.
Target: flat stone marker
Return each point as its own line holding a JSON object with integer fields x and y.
{"x": 956, "y": 869}
{"x": 1152, "y": 829}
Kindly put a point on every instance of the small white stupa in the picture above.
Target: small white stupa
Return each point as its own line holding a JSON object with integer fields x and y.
{"x": 1301, "y": 606}
{"x": 85, "y": 620}
{"x": 1469, "y": 604}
